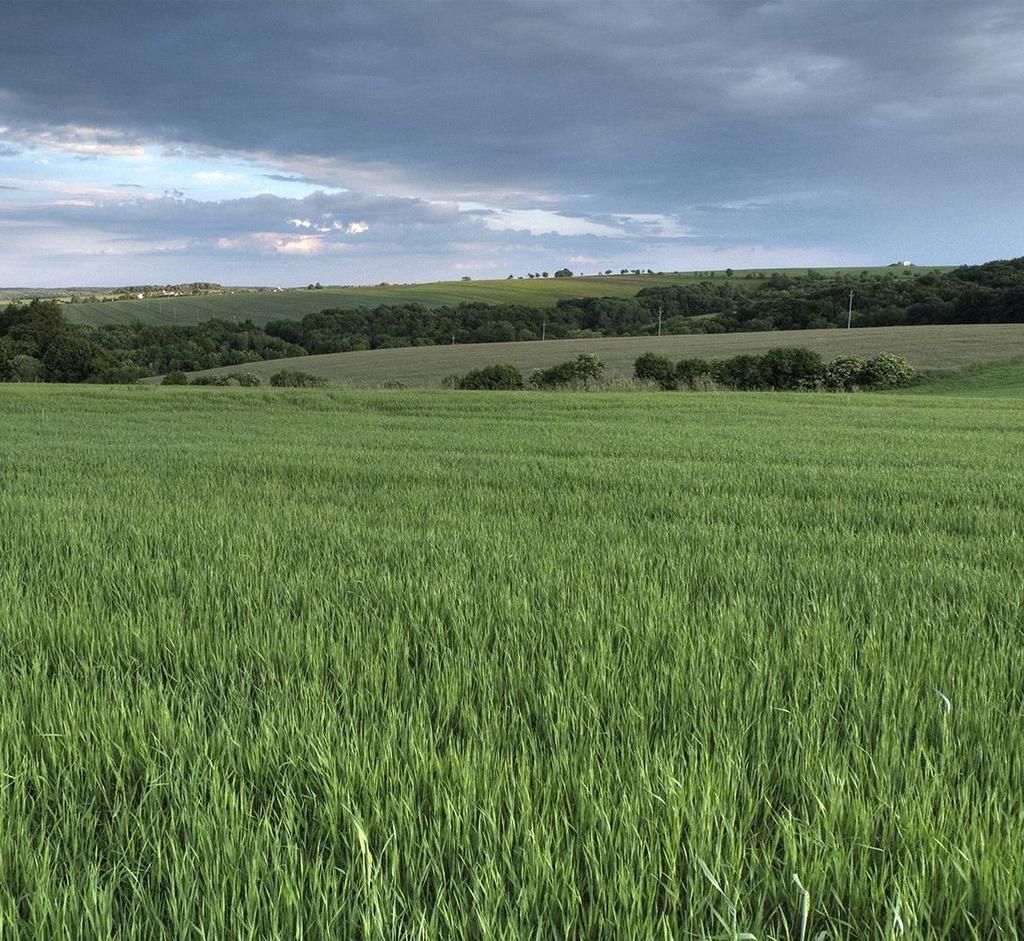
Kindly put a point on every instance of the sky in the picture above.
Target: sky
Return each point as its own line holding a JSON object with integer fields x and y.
{"x": 352, "y": 143}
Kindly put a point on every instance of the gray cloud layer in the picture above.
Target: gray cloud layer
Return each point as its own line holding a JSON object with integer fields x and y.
{"x": 852, "y": 126}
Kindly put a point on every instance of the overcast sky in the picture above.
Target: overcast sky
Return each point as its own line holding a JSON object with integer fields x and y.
{"x": 281, "y": 143}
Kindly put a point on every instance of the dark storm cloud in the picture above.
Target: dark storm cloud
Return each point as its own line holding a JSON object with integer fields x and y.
{"x": 874, "y": 128}
{"x": 565, "y": 94}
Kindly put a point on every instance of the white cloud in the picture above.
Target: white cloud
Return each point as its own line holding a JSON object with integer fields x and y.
{"x": 655, "y": 225}
{"x": 79, "y": 141}
{"x": 546, "y": 222}
{"x": 217, "y": 176}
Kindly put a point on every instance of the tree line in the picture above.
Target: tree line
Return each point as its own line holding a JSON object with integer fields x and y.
{"x": 38, "y": 344}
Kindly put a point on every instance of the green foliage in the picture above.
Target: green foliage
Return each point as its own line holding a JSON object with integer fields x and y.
{"x": 844, "y": 374}
{"x": 583, "y": 371}
{"x": 296, "y": 378}
{"x": 791, "y": 367}
{"x": 500, "y": 376}
{"x": 652, "y": 367}
{"x": 375, "y": 666}
{"x": 888, "y": 371}
{"x": 218, "y": 379}
{"x": 23, "y": 368}
{"x": 691, "y": 372}
{"x": 782, "y": 369}
{"x": 175, "y": 378}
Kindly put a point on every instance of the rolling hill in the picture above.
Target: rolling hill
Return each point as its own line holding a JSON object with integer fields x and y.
{"x": 295, "y": 304}
{"x": 927, "y": 347}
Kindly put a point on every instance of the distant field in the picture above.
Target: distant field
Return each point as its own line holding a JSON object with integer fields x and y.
{"x": 927, "y": 347}
{"x": 293, "y": 305}
{"x": 362, "y": 664}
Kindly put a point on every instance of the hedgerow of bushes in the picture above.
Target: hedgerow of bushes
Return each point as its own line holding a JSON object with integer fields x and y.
{"x": 781, "y": 369}
{"x": 584, "y": 372}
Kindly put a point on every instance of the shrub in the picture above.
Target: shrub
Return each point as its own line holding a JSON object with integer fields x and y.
{"x": 559, "y": 375}
{"x": 586, "y": 369}
{"x": 693, "y": 373}
{"x": 218, "y": 380}
{"x": 589, "y": 367}
{"x": 888, "y": 371}
{"x": 844, "y": 374}
{"x": 23, "y": 368}
{"x": 652, "y": 367}
{"x": 451, "y": 382}
{"x": 118, "y": 375}
{"x": 296, "y": 379}
{"x": 500, "y": 376}
{"x": 393, "y": 384}
{"x": 791, "y": 367}
{"x": 247, "y": 379}
{"x": 175, "y": 378}
{"x": 745, "y": 371}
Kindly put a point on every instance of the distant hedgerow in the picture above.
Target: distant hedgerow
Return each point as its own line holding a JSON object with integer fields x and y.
{"x": 585, "y": 370}
{"x": 296, "y": 379}
{"x": 781, "y": 369}
{"x": 653, "y": 367}
{"x": 502, "y": 376}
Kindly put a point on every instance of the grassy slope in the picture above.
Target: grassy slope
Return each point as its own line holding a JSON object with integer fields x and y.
{"x": 293, "y": 305}
{"x": 363, "y": 664}
{"x": 1005, "y": 378}
{"x": 928, "y": 347}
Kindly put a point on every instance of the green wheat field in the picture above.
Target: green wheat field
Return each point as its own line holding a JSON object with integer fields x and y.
{"x": 357, "y": 664}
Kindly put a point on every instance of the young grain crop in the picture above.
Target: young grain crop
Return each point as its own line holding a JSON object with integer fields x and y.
{"x": 379, "y": 665}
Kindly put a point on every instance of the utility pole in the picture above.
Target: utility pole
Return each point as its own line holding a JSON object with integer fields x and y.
{"x": 453, "y": 339}
{"x": 659, "y": 321}
{"x": 849, "y": 312}
{"x": 543, "y": 329}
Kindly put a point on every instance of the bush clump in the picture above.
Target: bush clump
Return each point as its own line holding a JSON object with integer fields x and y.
{"x": 502, "y": 376}
{"x": 844, "y": 374}
{"x": 791, "y": 367}
{"x": 652, "y": 367}
{"x": 888, "y": 371}
{"x": 219, "y": 380}
{"x": 786, "y": 368}
{"x": 694, "y": 373}
{"x": 582, "y": 372}
{"x": 296, "y": 379}
{"x": 247, "y": 379}
{"x": 175, "y": 378}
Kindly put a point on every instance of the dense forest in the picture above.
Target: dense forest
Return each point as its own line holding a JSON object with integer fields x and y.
{"x": 37, "y": 343}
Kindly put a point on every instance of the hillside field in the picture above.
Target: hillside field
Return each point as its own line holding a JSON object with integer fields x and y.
{"x": 367, "y": 664}
{"x": 295, "y": 304}
{"x": 927, "y": 347}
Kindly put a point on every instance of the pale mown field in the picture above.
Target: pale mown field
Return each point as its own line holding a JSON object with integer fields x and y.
{"x": 927, "y": 347}
{"x": 423, "y": 665}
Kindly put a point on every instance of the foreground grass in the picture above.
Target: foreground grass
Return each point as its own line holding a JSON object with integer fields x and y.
{"x": 927, "y": 347}
{"x": 487, "y": 665}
